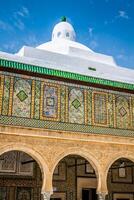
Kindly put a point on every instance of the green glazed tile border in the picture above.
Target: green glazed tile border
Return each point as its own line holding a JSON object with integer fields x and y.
{"x": 63, "y": 74}
{"x": 13, "y": 121}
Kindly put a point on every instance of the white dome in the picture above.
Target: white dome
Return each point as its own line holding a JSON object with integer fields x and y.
{"x": 63, "y": 30}
{"x": 63, "y": 41}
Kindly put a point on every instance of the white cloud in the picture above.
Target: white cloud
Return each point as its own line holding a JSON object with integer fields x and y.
{"x": 23, "y": 12}
{"x": 5, "y": 26}
{"x": 11, "y": 46}
{"x": 19, "y": 17}
{"x": 31, "y": 40}
{"x": 19, "y": 24}
{"x": 90, "y": 31}
{"x": 121, "y": 57}
{"x": 122, "y": 14}
{"x": 93, "y": 44}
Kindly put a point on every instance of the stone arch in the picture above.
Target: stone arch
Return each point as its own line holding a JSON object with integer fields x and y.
{"x": 85, "y": 154}
{"x": 123, "y": 154}
{"x": 34, "y": 154}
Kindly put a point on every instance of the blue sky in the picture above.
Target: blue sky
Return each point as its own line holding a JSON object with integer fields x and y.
{"x": 105, "y": 26}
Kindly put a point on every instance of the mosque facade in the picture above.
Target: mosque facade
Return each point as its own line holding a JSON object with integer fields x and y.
{"x": 66, "y": 123}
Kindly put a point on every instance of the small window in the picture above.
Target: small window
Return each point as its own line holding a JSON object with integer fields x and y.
{"x": 67, "y": 34}
{"x": 92, "y": 68}
{"x": 58, "y": 34}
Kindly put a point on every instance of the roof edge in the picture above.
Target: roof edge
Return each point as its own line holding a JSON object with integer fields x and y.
{"x": 63, "y": 74}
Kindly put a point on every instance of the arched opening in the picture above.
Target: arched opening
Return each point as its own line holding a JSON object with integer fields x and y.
{"x": 74, "y": 178}
{"x": 120, "y": 180}
{"x": 20, "y": 177}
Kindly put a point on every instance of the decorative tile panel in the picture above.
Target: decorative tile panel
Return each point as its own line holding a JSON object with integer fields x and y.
{"x": 50, "y": 102}
{"x": 111, "y": 110}
{"x": 1, "y": 91}
{"x": 76, "y": 106}
{"x": 89, "y": 106}
{"x": 11, "y": 96}
{"x": 37, "y": 99}
{"x": 22, "y": 98}
{"x": 100, "y": 108}
{"x": 6, "y": 93}
{"x": 33, "y": 99}
{"x": 133, "y": 112}
{"x": 63, "y": 103}
{"x": 122, "y": 112}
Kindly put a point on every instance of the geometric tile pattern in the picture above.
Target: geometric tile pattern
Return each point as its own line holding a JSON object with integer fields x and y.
{"x": 64, "y": 126}
{"x": 76, "y": 103}
{"x": 122, "y": 111}
{"x": 22, "y": 96}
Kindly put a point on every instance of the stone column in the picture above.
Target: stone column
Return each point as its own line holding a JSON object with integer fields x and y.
{"x": 101, "y": 195}
{"x": 46, "y": 195}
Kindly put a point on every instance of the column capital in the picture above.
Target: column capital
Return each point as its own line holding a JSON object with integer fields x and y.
{"x": 101, "y": 195}
{"x": 46, "y": 195}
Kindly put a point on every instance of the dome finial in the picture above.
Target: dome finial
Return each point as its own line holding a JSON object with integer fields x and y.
{"x": 63, "y": 19}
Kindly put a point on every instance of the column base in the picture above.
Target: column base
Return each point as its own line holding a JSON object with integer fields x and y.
{"x": 46, "y": 195}
{"x": 101, "y": 195}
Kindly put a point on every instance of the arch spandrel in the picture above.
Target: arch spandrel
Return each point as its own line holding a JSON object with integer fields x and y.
{"x": 116, "y": 156}
{"x": 108, "y": 163}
